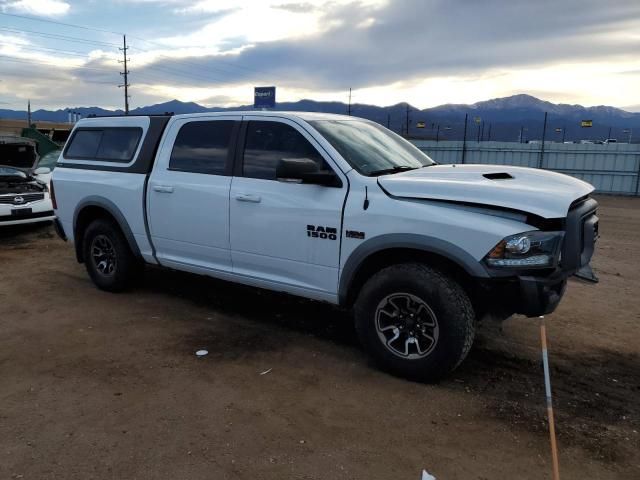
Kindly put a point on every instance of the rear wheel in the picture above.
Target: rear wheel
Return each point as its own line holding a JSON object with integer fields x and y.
{"x": 415, "y": 321}
{"x": 107, "y": 256}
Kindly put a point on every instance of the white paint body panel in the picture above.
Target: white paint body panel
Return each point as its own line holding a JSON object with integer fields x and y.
{"x": 474, "y": 233}
{"x": 541, "y": 192}
{"x": 125, "y": 190}
{"x": 269, "y": 239}
{"x": 189, "y": 212}
{"x": 203, "y": 227}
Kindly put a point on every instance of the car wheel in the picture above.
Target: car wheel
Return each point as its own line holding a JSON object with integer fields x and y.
{"x": 415, "y": 321}
{"x": 107, "y": 256}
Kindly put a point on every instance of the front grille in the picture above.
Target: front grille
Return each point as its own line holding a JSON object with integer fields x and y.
{"x": 580, "y": 234}
{"x": 26, "y": 198}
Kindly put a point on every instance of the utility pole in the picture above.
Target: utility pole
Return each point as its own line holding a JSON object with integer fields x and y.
{"x": 521, "y": 129}
{"x": 489, "y": 134}
{"x": 407, "y": 120}
{"x": 438, "y": 134}
{"x": 564, "y": 132}
{"x": 125, "y": 74}
{"x": 389, "y": 121}
{"x": 349, "y": 107}
{"x": 29, "y": 114}
{"x": 609, "y": 135}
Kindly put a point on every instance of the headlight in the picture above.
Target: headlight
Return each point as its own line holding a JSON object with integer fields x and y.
{"x": 526, "y": 250}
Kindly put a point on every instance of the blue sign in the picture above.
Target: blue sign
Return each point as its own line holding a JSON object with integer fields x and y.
{"x": 264, "y": 97}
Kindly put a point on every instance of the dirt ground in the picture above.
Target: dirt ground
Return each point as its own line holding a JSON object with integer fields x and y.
{"x": 97, "y": 385}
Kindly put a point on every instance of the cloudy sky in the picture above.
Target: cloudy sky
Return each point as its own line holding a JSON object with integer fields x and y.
{"x": 63, "y": 53}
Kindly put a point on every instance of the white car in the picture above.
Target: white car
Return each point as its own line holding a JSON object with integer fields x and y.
{"x": 24, "y": 183}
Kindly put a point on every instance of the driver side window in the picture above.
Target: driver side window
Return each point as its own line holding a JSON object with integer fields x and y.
{"x": 269, "y": 142}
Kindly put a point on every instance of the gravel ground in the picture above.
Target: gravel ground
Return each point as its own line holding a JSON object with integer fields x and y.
{"x": 97, "y": 385}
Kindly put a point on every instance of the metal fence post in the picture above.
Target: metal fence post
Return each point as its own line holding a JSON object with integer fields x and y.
{"x": 638, "y": 175}
{"x": 464, "y": 138}
{"x": 544, "y": 134}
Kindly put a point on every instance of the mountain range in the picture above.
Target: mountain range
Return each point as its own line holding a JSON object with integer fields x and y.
{"x": 502, "y": 119}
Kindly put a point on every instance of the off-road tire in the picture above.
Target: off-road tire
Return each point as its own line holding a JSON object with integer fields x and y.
{"x": 127, "y": 268}
{"x": 449, "y": 305}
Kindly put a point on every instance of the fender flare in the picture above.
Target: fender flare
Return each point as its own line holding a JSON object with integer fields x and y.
{"x": 114, "y": 211}
{"x": 424, "y": 243}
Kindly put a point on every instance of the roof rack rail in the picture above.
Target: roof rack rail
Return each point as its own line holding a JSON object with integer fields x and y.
{"x": 115, "y": 115}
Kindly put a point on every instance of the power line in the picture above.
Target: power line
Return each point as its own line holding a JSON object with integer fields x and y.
{"x": 94, "y": 42}
{"x": 56, "y": 36}
{"x": 48, "y": 77}
{"x": 192, "y": 76}
{"x": 170, "y": 70}
{"x": 7, "y": 58}
{"x": 249, "y": 69}
{"x": 44, "y": 49}
{"x": 26, "y": 17}
{"x": 168, "y": 78}
{"x": 193, "y": 64}
{"x": 84, "y": 27}
{"x": 155, "y": 77}
{"x": 157, "y": 66}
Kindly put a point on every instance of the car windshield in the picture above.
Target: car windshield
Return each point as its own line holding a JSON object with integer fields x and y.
{"x": 49, "y": 160}
{"x": 11, "y": 174}
{"x": 371, "y": 149}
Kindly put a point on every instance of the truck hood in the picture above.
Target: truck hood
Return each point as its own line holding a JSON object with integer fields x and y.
{"x": 540, "y": 192}
{"x": 19, "y": 154}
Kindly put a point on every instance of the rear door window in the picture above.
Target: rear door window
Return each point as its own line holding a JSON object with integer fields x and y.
{"x": 104, "y": 144}
{"x": 202, "y": 147}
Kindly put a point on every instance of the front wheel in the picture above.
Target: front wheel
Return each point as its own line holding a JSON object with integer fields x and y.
{"x": 415, "y": 321}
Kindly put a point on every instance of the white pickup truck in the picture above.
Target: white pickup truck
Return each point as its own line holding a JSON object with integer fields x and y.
{"x": 331, "y": 208}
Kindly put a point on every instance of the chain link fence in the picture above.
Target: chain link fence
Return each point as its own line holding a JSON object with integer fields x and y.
{"x": 611, "y": 168}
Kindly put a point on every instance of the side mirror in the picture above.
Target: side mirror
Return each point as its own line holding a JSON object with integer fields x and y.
{"x": 42, "y": 171}
{"x": 305, "y": 170}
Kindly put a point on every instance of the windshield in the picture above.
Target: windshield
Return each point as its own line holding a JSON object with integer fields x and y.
{"x": 11, "y": 174}
{"x": 370, "y": 148}
{"x": 49, "y": 160}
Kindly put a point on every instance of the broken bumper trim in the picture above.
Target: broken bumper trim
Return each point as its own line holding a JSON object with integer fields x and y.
{"x": 540, "y": 296}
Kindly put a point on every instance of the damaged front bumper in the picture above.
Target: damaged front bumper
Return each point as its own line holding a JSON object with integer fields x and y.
{"x": 534, "y": 293}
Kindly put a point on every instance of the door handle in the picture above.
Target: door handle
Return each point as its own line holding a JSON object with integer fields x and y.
{"x": 247, "y": 197}
{"x": 163, "y": 188}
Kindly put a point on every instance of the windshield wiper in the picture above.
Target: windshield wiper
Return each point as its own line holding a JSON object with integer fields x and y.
{"x": 396, "y": 169}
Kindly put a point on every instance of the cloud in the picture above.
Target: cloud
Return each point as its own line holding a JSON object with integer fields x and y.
{"x": 363, "y": 45}
{"x": 300, "y": 7}
{"x": 426, "y": 52}
{"x": 47, "y": 8}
